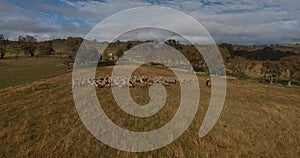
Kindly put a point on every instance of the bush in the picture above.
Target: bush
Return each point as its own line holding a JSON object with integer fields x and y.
{"x": 228, "y": 73}
{"x": 285, "y": 81}
{"x": 105, "y": 63}
{"x": 241, "y": 75}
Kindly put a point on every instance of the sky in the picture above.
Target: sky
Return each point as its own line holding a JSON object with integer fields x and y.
{"x": 229, "y": 21}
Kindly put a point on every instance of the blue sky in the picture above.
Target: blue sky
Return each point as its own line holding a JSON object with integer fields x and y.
{"x": 231, "y": 21}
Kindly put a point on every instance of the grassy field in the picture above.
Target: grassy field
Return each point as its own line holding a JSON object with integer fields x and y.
{"x": 25, "y": 70}
{"x": 39, "y": 119}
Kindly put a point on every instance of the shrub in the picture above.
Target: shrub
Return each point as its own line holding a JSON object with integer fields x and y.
{"x": 242, "y": 75}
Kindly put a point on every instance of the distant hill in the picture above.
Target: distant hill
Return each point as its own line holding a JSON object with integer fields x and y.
{"x": 266, "y": 53}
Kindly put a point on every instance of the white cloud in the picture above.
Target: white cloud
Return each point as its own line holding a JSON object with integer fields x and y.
{"x": 239, "y": 21}
{"x": 226, "y": 20}
{"x": 75, "y": 23}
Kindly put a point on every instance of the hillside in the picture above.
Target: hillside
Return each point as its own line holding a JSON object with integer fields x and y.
{"x": 24, "y": 70}
{"x": 39, "y": 119}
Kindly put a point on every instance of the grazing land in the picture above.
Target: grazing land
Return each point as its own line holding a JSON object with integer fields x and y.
{"x": 260, "y": 118}
{"x": 39, "y": 119}
{"x": 254, "y": 45}
{"x": 25, "y": 70}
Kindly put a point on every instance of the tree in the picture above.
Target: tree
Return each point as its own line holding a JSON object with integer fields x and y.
{"x": 68, "y": 60}
{"x": 238, "y": 65}
{"x": 16, "y": 45}
{"x": 119, "y": 52}
{"x": 129, "y": 45}
{"x": 173, "y": 43}
{"x": 2, "y": 53}
{"x": 73, "y": 44}
{"x": 226, "y": 54}
{"x": 291, "y": 65}
{"x": 229, "y": 48}
{"x": 270, "y": 71}
{"x": 46, "y": 48}
{"x": 3, "y": 43}
{"x": 87, "y": 55}
{"x": 199, "y": 65}
{"x": 27, "y": 44}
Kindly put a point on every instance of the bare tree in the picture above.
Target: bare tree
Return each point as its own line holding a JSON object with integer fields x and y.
{"x": 291, "y": 65}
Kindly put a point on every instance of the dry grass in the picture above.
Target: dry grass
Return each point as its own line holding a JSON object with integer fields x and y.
{"x": 40, "y": 120}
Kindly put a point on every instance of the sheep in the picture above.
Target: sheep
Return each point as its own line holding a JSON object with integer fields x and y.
{"x": 132, "y": 81}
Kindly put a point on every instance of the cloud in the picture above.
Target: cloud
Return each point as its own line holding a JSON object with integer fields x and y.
{"x": 255, "y": 22}
{"x": 19, "y": 21}
{"x": 75, "y": 24}
{"x": 25, "y": 25}
{"x": 239, "y": 21}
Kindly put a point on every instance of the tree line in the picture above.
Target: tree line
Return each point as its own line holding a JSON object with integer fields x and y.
{"x": 27, "y": 44}
{"x": 275, "y": 64}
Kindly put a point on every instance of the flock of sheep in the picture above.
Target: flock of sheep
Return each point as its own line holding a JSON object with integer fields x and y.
{"x": 132, "y": 81}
